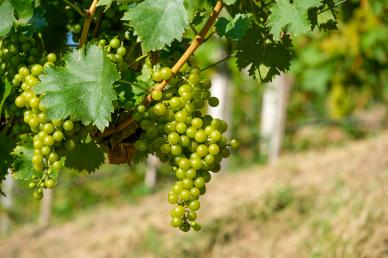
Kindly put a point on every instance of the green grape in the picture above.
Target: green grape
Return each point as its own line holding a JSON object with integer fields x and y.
{"x": 115, "y": 43}
{"x": 159, "y": 109}
{"x": 157, "y": 76}
{"x": 166, "y": 73}
{"x": 58, "y": 136}
{"x": 176, "y": 222}
{"x": 38, "y": 195}
{"x": 235, "y": 144}
{"x": 68, "y": 125}
{"x": 49, "y": 183}
{"x": 194, "y": 205}
{"x": 178, "y": 211}
{"x": 156, "y": 95}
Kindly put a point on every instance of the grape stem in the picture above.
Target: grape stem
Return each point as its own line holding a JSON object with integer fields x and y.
{"x": 88, "y": 20}
{"x": 197, "y": 41}
{"x": 75, "y": 7}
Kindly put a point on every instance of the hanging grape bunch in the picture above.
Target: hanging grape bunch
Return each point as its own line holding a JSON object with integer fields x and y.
{"x": 178, "y": 132}
{"x": 66, "y": 106}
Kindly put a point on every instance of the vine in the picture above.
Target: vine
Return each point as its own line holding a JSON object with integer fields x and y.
{"x": 118, "y": 95}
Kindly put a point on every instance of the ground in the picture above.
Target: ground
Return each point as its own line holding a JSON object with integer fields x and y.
{"x": 324, "y": 203}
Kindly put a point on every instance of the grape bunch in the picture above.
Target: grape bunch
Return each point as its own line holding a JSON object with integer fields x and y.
{"x": 50, "y": 138}
{"x": 17, "y": 51}
{"x": 177, "y": 131}
{"x": 116, "y": 51}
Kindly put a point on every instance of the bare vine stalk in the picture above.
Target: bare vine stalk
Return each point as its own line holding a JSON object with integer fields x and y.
{"x": 88, "y": 20}
{"x": 197, "y": 41}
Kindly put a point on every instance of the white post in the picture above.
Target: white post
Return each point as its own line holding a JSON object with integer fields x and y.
{"x": 274, "y": 115}
{"x": 153, "y": 164}
{"x": 46, "y": 207}
{"x": 6, "y": 202}
{"x": 221, "y": 89}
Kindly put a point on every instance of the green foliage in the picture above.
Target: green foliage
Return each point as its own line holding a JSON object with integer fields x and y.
{"x": 264, "y": 60}
{"x": 85, "y": 156}
{"x": 5, "y": 93}
{"x": 157, "y": 22}
{"x": 7, "y": 17}
{"x": 83, "y": 89}
{"x": 7, "y": 144}
{"x": 22, "y": 166}
{"x": 293, "y": 16}
{"x": 234, "y": 29}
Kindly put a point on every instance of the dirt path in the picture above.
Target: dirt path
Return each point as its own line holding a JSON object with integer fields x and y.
{"x": 123, "y": 231}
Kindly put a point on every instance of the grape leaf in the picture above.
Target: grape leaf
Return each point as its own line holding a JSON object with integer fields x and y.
{"x": 105, "y": 2}
{"x": 192, "y": 7}
{"x": 229, "y": 2}
{"x": 233, "y": 29}
{"x": 7, "y": 144}
{"x": 22, "y": 165}
{"x": 264, "y": 59}
{"x": 24, "y": 9}
{"x": 293, "y": 16}
{"x": 7, "y": 17}
{"x": 158, "y": 22}
{"x": 5, "y": 93}
{"x": 83, "y": 89}
{"x": 85, "y": 156}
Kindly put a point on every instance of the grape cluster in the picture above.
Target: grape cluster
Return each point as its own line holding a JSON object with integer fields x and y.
{"x": 116, "y": 51}
{"x": 178, "y": 132}
{"x": 50, "y": 138}
{"x": 17, "y": 51}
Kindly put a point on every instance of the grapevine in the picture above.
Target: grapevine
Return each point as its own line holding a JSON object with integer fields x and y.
{"x": 130, "y": 87}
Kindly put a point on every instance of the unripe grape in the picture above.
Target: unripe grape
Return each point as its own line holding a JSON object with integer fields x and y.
{"x": 51, "y": 58}
{"x": 166, "y": 73}
{"x": 194, "y": 205}
{"x": 38, "y": 195}
{"x": 56, "y": 165}
{"x": 68, "y": 125}
{"x": 156, "y": 94}
{"x": 178, "y": 211}
{"x": 49, "y": 183}
{"x": 157, "y": 76}
{"x": 58, "y": 136}
{"x": 199, "y": 182}
{"x": 235, "y": 144}
{"x": 114, "y": 43}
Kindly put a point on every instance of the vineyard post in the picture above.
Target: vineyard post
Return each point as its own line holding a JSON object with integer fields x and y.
{"x": 7, "y": 203}
{"x": 274, "y": 115}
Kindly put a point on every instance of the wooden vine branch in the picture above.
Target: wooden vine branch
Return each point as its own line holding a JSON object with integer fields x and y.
{"x": 197, "y": 41}
{"x": 88, "y": 20}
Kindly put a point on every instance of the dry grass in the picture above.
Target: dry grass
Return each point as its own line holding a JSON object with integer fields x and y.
{"x": 330, "y": 203}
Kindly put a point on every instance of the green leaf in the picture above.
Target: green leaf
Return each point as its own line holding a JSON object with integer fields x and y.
{"x": 293, "y": 16}
{"x": 234, "y": 29}
{"x": 192, "y": 7}
{"x": 83, "y": 89}
{"x": 85, "y": 156}
{"x": 158, "y": 22}
{"x": 24, "y": 9}
{"x": 7, "y": 144}
{"x": 229, "y": 2}
{"x": 263, "y": 59}
{"x": 105, "y": 2}
{"x": 7, "y": 17}
{"x": 5, "y": 93}
{"x": 22, "y": 166}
